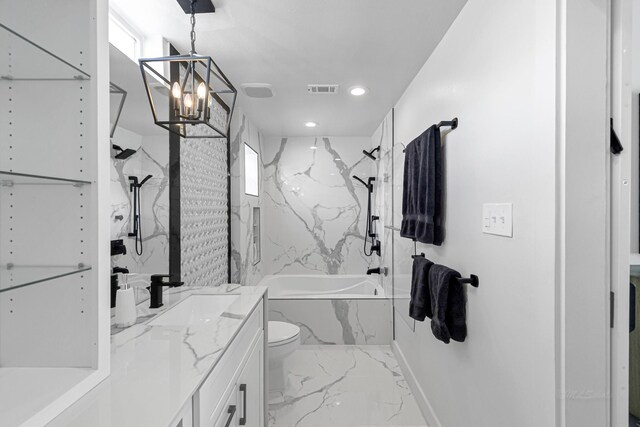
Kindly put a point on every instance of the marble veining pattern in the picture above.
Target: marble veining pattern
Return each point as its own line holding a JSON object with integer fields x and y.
{"x": 244, "y": 267}
{"x": 151, "y": 158}
{"x": 342, "y": 386}
{"x": 315, "y": 212}
{"x": 336, "y": 321}
{"x": 155, "y": 369}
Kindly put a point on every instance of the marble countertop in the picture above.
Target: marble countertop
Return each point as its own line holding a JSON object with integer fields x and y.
{"x": 156, "y": 369}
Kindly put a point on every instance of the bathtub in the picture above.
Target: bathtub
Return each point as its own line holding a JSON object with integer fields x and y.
{"x": 332, "y": 309}
{"x": 322, "y": 287}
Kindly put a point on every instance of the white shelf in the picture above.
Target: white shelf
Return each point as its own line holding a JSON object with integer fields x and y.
{"x": 26, "y": 391}
{"x": 20, "y": 276}
{"x": 11, "y": 179}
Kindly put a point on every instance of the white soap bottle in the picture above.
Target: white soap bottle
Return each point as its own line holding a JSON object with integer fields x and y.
{"x": 125, "y": 304}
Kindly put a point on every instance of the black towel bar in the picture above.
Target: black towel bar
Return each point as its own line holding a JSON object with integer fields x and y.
{"x": 450, "y": 123}
{"x": 473, "y": 280}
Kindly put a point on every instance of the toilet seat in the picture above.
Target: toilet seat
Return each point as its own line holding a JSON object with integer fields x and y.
{"x": 281, "y": 333}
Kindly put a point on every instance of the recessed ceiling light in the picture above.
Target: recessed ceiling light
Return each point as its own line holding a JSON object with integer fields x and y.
{"x": 311, "y": 124}
{"x": 313, "y": 147}
{"x": 358, "y": 90}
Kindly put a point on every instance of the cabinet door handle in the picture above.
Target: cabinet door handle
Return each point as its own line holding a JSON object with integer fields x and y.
{"x": 243, "y": 419}
{"x": 231, "y": 411}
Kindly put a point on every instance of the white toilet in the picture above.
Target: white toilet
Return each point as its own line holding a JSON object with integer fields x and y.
{"x": 284, "y": 338}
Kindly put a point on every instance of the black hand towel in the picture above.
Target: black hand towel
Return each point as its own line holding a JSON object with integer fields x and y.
{"x": 420, "y": 304}
{"x": 448, "y": 304}
{"x": 422, "y": 189}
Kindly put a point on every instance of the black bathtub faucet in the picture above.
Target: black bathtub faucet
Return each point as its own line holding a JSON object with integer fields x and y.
{"x": 378, "y": 270}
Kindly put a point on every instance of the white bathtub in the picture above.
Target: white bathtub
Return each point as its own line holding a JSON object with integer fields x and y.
{"x": 332, "y": 309}
{"x": 322, "y": 287}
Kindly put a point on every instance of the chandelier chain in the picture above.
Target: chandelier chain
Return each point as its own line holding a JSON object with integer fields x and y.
{"x": 193, "y": 26}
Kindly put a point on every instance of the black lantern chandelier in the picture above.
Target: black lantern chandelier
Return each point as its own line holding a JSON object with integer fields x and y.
{"x": 201, "y": 98}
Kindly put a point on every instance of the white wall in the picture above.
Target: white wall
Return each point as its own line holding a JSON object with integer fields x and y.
{"x": 528, "y": 81}
{"x": 494, "y": 70}
{"x": 583, "y": 233}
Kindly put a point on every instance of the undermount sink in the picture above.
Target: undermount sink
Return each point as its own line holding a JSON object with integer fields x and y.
{"x": 195, "y": 310}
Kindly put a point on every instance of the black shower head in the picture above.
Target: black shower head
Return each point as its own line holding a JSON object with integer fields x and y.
{"x": 123, "y": 154}
{"x": 369, "y": 154}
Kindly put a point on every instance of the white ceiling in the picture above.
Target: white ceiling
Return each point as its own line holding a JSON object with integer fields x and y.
{"x": 292, "y": 43}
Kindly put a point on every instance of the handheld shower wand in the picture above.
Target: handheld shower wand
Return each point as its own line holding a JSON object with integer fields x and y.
{"x": 375, "y": 247}
{"x": 134, "y": 187}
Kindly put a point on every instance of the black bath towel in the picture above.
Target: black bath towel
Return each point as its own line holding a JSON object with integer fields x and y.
{"x": 420, "y": 304}
{"x": 423, "y": 188}
{"x": 448, "y": 304}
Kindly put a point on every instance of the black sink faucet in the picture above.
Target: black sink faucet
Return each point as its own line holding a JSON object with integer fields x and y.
{"x": 155, "y": 288}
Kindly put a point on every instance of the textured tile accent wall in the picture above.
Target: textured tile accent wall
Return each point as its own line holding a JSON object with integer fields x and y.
{"x": 204, "y": 211}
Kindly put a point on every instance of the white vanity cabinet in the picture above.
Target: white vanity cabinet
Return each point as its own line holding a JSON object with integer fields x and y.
{"x": 250, "y": 386}
{"x": 234, "y": 393}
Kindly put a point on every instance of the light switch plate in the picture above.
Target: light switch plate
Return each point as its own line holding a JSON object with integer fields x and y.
{"x": 497, "y": 219}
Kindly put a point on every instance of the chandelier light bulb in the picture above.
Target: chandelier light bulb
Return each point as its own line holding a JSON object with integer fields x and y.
{"x": 202, "y": 91}
{"x": 188, "y": 101}
{"x": 176, "y": 91}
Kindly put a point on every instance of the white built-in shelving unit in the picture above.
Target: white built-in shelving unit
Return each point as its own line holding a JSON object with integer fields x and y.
{"x": 54, "y": 136}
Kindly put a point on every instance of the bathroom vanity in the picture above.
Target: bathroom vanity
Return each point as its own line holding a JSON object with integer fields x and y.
{"x": 200, "y": 362}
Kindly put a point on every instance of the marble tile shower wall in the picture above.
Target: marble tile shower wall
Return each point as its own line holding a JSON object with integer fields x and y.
{"x": 245, "y": 268}
{"x": 151, "y": 158}
{"x": 204, "y": 211}
{"x": 314, "y": 212}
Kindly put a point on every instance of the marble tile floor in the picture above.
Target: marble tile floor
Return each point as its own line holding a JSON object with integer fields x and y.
{"x": 344, "y": 386}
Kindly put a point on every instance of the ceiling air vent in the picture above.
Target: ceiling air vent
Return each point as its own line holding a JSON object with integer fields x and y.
{"x": 323, "y": 89}
{"x": 258, "y": 90}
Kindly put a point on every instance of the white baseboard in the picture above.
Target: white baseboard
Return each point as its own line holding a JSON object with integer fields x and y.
{"x": 423, "y": 403}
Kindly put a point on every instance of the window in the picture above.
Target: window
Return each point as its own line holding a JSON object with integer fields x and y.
{"x": 251, "y": 173}
{"x": 123, "y": 37}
